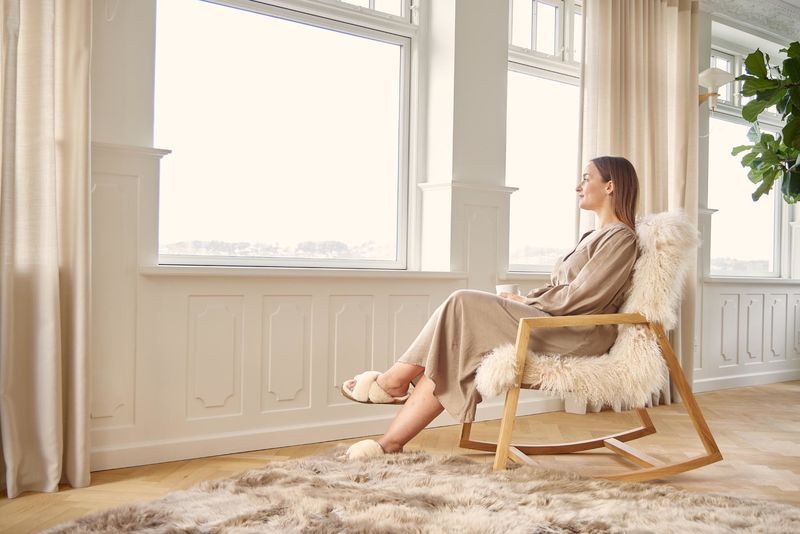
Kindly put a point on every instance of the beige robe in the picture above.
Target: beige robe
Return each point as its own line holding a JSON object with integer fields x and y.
{"x": 592, "y": 278}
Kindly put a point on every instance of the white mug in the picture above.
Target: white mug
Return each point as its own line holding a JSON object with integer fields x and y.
{"x": 507, "y": 288}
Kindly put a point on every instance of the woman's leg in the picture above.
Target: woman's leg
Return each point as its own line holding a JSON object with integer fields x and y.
{"x": 420, "y": 409}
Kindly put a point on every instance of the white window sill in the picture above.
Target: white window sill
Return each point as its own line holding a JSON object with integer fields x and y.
{"x": 520, "y": 275}
{"x": 750, "y": 280}
{"x": 287, "y": 272}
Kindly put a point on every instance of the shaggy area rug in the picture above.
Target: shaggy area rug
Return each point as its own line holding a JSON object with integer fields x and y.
{"x": 417, "y": 492}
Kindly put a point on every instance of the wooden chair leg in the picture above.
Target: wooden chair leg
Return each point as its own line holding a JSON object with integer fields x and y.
{"x": 512, "y": 399}
{"x": 679, "y": 379}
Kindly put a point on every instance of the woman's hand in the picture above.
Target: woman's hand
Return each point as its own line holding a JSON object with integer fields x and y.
{"x": 512, "y": 296}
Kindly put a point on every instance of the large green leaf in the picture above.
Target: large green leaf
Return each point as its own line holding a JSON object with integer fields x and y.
{"x": 791, "y": 68}
{"x": 791, "y": 132}
{"x": 793, "y": 50}
{"x": 755, "y": 64}
{"x": 795, "y": 92}
{"x": 784, "y": 103}
{"x": 753, "y": 109}
{"x": 753, "y": 133}
{"x": 765, "y": 186}
{"x": 790, "y": 184}
{"x": 756, "y": 174}
{"x": 748, "y": 159}
{"x": 796, "y": 166}
{"x": 754, "y": 85}
{"x": 739, "y": 149}
{"x": 770, "y": 159}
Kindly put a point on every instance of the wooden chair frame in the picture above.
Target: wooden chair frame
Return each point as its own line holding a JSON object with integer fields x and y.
{"x": 650, "y": 467}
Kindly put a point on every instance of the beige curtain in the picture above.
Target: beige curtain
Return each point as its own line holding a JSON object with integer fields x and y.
{"x": 44, "y": 243}
{"x": 640, "y": 101}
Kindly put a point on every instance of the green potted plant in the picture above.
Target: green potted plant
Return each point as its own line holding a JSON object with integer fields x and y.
{"x": 773, "y": 157}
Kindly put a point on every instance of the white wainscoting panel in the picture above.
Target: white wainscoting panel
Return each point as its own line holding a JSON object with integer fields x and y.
{"x": 286, "y": 352}
{"x": 114, "y": 302}
{"x": 350, "y": 344}
{"x": 749, "y": 334}
{"x": 729, "y": 330}
{"x": 752, "y": 329}
{"x": 794, "y": 326}
{"x": 775, "y": 327}
{"x": 214, "y": 362}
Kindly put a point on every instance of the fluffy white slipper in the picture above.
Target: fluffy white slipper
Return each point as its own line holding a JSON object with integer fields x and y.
{"x": 368, "y": 448}
{"x": 367, "y": 390}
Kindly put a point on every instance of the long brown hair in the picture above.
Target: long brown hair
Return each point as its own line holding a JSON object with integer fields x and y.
{"x": 626, "y": 186}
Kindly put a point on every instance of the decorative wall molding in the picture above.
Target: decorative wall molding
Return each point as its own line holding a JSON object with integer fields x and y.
{"x": 286, "y": 352}
{"x": 214, "y": 360}
{"x": 350, "y": 342}
{"x": 775, "y": 327}
{"x": 114, "y": 299}
{"x": 773, "y": 16}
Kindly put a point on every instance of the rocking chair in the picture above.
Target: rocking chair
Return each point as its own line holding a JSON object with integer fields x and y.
{"x": 629, "y": 376}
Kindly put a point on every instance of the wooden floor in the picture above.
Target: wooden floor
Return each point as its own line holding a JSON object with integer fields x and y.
{"x": 757, "y": 429}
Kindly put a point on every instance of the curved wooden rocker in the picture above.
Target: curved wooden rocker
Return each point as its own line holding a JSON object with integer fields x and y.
{"x": 650, "y": 468}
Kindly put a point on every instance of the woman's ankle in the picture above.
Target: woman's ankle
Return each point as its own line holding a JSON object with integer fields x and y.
{"x": 392, "y": 385}
{"x": 390, "y": 447}
{"x": 396, "y": 379}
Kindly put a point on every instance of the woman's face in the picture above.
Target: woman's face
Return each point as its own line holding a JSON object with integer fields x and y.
{"x": 593, "y": 192}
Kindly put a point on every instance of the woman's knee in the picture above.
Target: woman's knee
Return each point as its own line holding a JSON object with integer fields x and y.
{"x": 462, "y": 296}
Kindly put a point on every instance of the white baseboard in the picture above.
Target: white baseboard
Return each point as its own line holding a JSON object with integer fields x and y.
{"x": 738, "y": 381}
{"x": 156, "y": 451}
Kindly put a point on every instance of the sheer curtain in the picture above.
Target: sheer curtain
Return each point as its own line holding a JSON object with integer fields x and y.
{"x": 640, "y": 101}
{"x": 44, "y": 243}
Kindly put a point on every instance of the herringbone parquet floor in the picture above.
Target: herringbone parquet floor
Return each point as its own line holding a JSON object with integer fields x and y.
{"x": 757, "y": 429}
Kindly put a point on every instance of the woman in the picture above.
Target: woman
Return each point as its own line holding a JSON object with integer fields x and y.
{"x": 442, "y": 361}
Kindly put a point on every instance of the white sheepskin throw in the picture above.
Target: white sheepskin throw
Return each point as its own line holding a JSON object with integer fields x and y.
{"x": 633, "y": 371}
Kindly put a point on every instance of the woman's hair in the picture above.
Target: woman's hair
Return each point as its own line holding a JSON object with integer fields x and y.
{"x": 626, "y": 186}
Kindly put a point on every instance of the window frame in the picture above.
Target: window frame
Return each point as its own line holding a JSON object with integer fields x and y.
{"x": 562, "y": 60}
{"x": 375, "y": 26}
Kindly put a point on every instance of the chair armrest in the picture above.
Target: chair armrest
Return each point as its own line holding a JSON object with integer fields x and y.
{"x": 583, "y": 320}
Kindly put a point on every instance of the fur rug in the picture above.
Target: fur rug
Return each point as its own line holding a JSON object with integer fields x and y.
{"x": 633, "y": 372}
{"x": 416, "y": 492}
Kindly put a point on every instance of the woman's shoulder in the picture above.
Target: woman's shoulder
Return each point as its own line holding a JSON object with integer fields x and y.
{"x": 617, "y": 235}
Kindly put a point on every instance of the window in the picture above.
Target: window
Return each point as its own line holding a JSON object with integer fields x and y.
{"x": 724, "y": 62}
{"x": 542, "y": 142}
{"x": 546, "y": 28}
{"x": 541, "y": 158}
{"x": 746, "y": 238}
{"x": 288, "y": 135}
{"x": 744, "y": 234}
